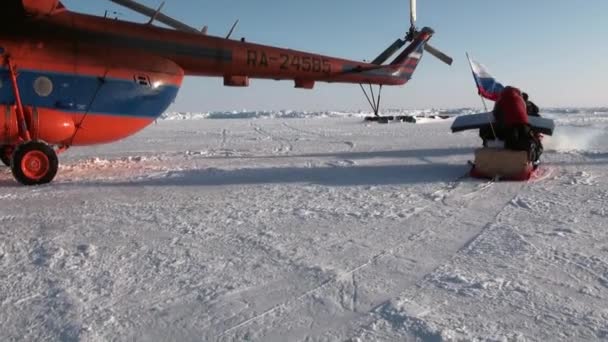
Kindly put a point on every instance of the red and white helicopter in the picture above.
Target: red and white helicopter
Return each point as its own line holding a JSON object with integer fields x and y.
{"x": 71, "y": 79}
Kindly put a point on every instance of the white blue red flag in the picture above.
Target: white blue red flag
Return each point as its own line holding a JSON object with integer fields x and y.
{"x": 487, "y": 85}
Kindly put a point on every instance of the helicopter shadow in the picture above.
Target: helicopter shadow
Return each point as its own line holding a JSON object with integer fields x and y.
{"x": 328, "y": 176}
{"x": 332, "y": 171}
{"x": 354, "y": 155}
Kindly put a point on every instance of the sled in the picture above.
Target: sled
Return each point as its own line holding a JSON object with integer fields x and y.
{"x": 503, "y": 164}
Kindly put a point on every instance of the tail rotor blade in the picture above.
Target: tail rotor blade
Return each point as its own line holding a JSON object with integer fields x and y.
{"x": 412, "y": 13}
{"x": 438, "y": 54}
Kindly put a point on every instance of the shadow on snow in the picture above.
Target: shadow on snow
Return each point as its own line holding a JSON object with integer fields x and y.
{"x": 330, "y": 176}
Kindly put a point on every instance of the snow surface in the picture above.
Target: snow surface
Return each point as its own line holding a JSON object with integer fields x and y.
{"x": 318, "y": 227}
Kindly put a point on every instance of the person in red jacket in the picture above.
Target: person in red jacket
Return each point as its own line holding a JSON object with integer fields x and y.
{"x": 511, "y": 116}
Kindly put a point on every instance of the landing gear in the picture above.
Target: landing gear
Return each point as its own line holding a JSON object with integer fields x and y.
{"x": 6, "y": 153}
{"x": 374, "y": 101}
{"x": 34, "y": 163}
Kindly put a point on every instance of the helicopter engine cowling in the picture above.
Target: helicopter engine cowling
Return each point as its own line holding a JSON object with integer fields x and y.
{"x": 40, "y": 7}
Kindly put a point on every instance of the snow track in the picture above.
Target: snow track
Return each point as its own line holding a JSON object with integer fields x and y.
{"x": 433, "y": 239}
{"x": 302, "y": 230}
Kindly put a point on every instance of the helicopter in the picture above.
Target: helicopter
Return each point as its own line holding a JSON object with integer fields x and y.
{"x": 70, "y": 79}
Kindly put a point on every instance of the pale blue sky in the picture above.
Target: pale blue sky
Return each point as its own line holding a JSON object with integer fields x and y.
{"x": 554, "y": 49}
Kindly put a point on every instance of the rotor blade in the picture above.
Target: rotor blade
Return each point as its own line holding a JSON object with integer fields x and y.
{"x": 160, "y": 8}
{"x": 386, "y": 54}
{"x": 232, "y": 29}
{"x": 147, "y": 11}
{"x": 440, "y": 55}
{"x": 413, "y": 13}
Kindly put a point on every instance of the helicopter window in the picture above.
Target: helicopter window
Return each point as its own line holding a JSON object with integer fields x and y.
{"x": 43, "y": 86}
{"x": 142, "y": 80}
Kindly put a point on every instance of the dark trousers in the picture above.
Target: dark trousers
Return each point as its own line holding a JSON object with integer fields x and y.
{"x": 522, "y": 138}
{"x": 491, "y": 132}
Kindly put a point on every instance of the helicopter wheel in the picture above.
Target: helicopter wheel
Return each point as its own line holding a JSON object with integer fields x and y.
{"x": 6, "y": 153}
{"x": 34, "y": 163}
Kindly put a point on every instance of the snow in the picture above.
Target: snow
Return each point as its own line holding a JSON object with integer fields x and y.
{"x": 291, "y": 114}
{"x": 308, "y": 227}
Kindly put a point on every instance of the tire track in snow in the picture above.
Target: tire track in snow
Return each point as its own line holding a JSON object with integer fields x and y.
{"x": 422, "y": 282}
{"x": 151, "y": 302}
{"x": 451, "y": 190}
{"x": 222, "y": 150}
{"x": 224, "y": 138}
{"x": 449, "y": 197}
{"x": 578, "y": 178}
{"x": 285, "y": 146}
{"x": 305, "y": 131}
{"x": 425, "y": 282}
{"x": 351, "y": 145}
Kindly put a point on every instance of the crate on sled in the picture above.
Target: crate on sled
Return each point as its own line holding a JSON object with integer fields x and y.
{"x": 502, "y": 163}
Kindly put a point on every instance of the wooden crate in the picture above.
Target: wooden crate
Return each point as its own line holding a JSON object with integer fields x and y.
{"x": 502, "y": 163}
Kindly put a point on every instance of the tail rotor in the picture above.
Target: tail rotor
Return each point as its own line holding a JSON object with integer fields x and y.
{"x": 413, "y": 33}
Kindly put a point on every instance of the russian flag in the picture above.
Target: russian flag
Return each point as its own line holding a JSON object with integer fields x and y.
{"x": 487, "y": 85}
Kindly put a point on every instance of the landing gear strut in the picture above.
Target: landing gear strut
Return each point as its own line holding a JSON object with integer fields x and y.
{"x": 372, "y": 99}
{"x": 374, "y": 102}
{"x": 32, "y": 162}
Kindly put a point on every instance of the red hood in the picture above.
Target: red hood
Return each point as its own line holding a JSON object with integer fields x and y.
{"x": 513, "y": 107}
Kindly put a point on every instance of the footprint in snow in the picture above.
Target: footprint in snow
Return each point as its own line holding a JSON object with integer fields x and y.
{"x": 521, "y": 203}
{"x": 303, "y": 213}
{"x": 341, "y": 163}
{"x": 350, "y": 144}
{"x": 86, "y": 250}
{"x": 599, "y": 212}
{"x": 563, "y": 232}
{"x": 582, "y": 178}
{"x": 48, "y": 256}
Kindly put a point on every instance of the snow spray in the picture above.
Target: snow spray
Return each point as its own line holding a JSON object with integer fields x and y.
{"x": 572, "y": 138}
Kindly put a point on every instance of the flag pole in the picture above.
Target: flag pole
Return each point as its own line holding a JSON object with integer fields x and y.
{"x": 483, "y": 101}
{"x": 473, "y": 71}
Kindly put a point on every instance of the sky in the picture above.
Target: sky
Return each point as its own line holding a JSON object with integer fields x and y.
{"x": 555, "y": 50}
